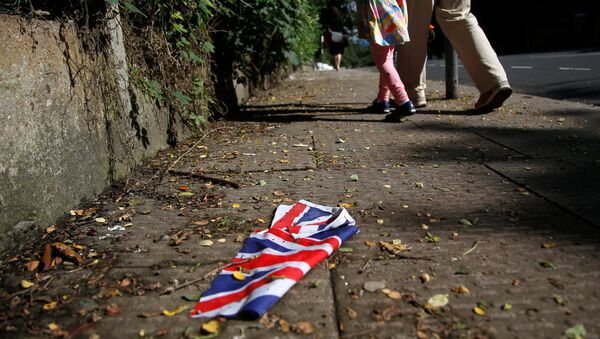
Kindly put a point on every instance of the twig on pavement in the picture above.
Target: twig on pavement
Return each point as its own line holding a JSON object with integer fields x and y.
{"x": 208, "y": 178}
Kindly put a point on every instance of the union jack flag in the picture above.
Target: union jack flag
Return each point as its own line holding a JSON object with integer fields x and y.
{"x": 273, "y": 260}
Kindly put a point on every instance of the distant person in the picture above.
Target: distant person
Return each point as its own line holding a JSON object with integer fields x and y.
{"x": 468, "y": 39}
{"x": 334, "y": 38}
{"x": 384, "y": 24}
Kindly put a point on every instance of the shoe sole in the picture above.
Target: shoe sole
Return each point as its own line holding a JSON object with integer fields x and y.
{"x": 497, "y": 100}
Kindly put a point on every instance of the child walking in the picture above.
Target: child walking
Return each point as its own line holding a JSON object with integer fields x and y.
{"x": 384, "y": 24}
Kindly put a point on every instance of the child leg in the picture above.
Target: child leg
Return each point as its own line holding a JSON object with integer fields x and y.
{"x": 389, "y": 80}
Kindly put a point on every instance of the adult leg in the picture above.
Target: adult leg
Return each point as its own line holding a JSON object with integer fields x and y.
{"x": 338, "y": 61}
{"x": 471, "y": 44}
{"x": 412, "y": 56}
{"x": 389, "y": 80}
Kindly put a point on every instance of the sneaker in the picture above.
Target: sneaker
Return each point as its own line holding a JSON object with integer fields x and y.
{"x": 418, "y": 98}
{"x": 401, "y": 111}
{"x": 379, "y": 107}
{"x": 493, "y": 98}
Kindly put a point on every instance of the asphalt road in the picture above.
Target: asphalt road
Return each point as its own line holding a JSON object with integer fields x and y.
{"x": 573, "y": 76}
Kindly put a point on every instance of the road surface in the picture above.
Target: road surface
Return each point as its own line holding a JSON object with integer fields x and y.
{"x": 573, "y": 76}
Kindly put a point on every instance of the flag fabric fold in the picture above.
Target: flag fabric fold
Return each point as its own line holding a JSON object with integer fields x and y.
{"x": 273, "y": 260}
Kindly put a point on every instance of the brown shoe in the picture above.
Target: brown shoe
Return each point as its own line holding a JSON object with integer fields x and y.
{"x": 493, "y": 98}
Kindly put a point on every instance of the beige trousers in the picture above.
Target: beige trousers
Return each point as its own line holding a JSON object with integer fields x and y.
{"x": 468, "y": 39}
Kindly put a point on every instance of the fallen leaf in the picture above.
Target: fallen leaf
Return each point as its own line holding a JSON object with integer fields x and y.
{"x": 576, "y": 332}
{"x": 237, "y": 275}
{"x": 50, "y": 229}
{"x": 184, "y": 188}
{"x": 551, "y": 244}
{"x": 235, "y": 205}
{"x": 354, "y": 177}
{"x": 284, "y": 326}
{"x": 432, "y": 238}
{"x": 460, "y": 290}
{"x": 346, "y": 249}
{"x": 394, "y": 295}
{"x": 395, "y": 247}
{"x": 67, "y": 253}
{"x": 558, "y": 299}
{"x": 548, "y": 264}
{"x": 47, "y": 256}
{"x": 351, "y": 313}
{"x": 205, "y": 242}
{"x": 506, "y": 307}
{"x": 50, "y": 306}
{"x": 100, "y": 220}
{"x": 53, "y": 327}
{"x": 211, "y": 327}
{"x": 380, "y": 221}
{"x": 112, "y": 310}
{"x": 479, "y": 311}
{"x": 26, "y": 284}
{"x": 304, "y": 327}
{"x": 466, "y": 222}
{"x": 437, "y": 301}
{"x": 425, "y": 278}
{"x": 125, "y": 282}
{"x": 262, "y": 183}
{"x": 33, "y": 265}
{"x": 419, "y": 184}
{"x": 184, "y": 194}
{"x": 346, "y": 204}
{"x": 175, "y": 311}
{"x": 370, "y": 243}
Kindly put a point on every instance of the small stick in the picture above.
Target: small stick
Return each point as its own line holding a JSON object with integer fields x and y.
{"x": 173, "y": 289}
{"x": 208, "y": 178}
{"x": 472, "y": 248}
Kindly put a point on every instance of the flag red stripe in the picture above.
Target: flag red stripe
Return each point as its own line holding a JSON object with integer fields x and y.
{"x": 289, "y": 217}
{"x": 311, "y": 257}
{"x": 209, "y": 305}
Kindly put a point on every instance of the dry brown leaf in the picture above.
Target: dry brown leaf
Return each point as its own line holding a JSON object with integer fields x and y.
{"x": 112, "y": 310}
{"x": 550, "y": 244}
{"x": 284, "y": 326}
{"x": 33, "y": 265}
{"x": 425, "y": 278}
{"x": 304, "y": 327}
{"x": 67, "y": 253}
{"x": 460, "y": 290}
{"x": 47, "y": 256}
{"x": 351, "y": 313}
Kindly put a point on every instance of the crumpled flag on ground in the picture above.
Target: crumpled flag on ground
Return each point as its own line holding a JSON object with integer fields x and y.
{"x": 273, "y": 260}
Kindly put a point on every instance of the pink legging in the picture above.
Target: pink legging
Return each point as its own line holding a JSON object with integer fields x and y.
{"x": 389, "y": 80}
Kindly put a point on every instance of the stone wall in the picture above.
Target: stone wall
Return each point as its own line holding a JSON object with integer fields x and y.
{"x": 68, "y": 127}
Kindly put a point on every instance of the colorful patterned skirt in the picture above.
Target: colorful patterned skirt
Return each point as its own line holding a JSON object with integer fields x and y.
{"x": 385, "y": 22}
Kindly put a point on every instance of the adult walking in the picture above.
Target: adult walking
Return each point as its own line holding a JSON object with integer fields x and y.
{"x": 332, "y": 20}
{"x": 468, "y": 39}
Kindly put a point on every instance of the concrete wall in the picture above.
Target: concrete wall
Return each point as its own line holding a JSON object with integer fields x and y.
{"x": 64, "y": 131}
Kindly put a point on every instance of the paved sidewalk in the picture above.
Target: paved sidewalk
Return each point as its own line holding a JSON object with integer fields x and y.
{"x": 499, "y": 211}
